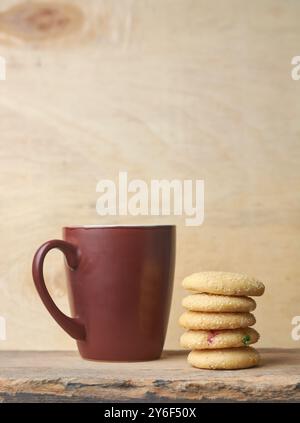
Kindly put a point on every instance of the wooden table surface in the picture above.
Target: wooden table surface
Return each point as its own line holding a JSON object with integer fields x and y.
{"x": 65, "y": 377}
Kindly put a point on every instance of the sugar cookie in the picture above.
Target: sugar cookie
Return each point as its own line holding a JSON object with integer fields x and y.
{"x": 214, "y": 339}
{"x": 223, "y": 283}
{"x": 218, "y": 303}
{"x": 207, "y": 321}
{"x": 230, "y": 358}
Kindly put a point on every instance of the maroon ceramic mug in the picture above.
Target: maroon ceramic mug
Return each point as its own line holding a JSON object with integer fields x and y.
{"x": 120, "y": 281}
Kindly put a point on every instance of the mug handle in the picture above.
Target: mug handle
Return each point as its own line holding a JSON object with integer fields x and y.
{"x": 71, "y": 325}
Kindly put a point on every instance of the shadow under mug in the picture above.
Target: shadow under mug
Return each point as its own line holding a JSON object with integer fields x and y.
{"x": 120, "y": 281}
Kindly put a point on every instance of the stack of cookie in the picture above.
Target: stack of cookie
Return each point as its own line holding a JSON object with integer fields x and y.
{"x": 218, "y": 320}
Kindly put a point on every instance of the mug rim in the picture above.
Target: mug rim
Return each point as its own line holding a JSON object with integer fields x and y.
{"x": 118, "y": 226}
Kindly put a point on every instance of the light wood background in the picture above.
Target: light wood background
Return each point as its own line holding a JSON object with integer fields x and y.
{"x": 161, "y": 89}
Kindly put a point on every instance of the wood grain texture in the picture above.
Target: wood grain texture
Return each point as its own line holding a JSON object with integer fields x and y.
{"x": 64, "y": 377}
{"x": 161, "y": 89}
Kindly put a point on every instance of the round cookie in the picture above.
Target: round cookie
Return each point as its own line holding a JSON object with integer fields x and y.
{"x": 223, "y": 283}
{"x": 218, "y": 303}
{"x": 214, "y": 339}
{"x": 227, "y": 359}
{"x": 207, "y": 321}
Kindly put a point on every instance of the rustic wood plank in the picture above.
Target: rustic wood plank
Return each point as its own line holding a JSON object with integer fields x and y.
{"x": 64, "y": 376}
{"x": 163, "y": 89}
